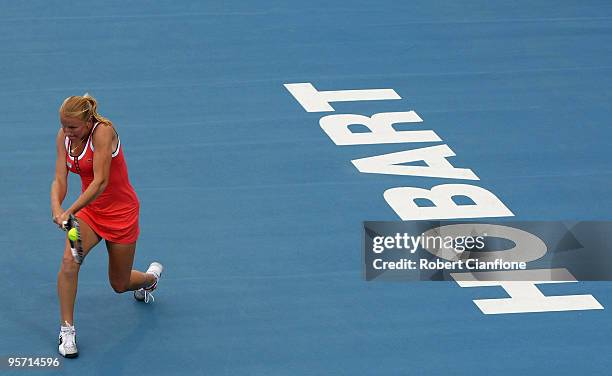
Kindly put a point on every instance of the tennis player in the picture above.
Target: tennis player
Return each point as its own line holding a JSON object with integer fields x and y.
{"x": 107, "y": 208}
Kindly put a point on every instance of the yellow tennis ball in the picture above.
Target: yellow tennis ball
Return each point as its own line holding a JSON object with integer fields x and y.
{"x": 73, "y": 234}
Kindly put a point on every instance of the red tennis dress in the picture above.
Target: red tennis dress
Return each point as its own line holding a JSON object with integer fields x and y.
{"x": 113, "y": 215}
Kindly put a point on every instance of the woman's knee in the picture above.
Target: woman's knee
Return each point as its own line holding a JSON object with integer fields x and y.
{"x": 120, "y": 286}
{"x": 69, "y": 267}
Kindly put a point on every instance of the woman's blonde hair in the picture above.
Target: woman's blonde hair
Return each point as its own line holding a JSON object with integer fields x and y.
{"x": 83, "y": 108}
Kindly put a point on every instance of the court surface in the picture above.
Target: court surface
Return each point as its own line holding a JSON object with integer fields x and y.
{"x": 257, "y": 215}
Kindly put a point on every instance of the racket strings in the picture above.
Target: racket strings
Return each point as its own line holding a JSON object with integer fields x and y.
{"x": 76, "y": 246}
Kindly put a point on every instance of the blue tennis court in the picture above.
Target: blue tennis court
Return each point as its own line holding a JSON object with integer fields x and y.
{"x": 258, "y": 215}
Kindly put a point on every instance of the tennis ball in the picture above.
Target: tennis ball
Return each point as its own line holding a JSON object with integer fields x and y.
{"x": 73, "y": 234}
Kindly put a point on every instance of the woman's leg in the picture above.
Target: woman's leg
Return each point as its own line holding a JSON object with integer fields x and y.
{"x": 68, "y": 275}
{"x": 120, "y": 273}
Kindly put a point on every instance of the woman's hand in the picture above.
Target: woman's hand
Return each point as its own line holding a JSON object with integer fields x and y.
{"x": 60, "y": 217}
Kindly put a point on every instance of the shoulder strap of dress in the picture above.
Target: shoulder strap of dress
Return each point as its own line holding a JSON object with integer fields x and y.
{"x": 90, "y": 138}
{"x": 93, "y": 129}
{"x": 116, "y": 152}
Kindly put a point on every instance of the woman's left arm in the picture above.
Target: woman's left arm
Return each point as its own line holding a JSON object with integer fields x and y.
{"x": 103, "y": 145}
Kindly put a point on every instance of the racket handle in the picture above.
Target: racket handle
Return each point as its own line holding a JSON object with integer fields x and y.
{"x": 67, "y": 225}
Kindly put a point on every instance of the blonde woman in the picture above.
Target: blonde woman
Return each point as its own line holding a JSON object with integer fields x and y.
{"x": 107, "y": 208}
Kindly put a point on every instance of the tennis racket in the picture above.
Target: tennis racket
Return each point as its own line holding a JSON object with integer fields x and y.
{"x": 76, "y": 247}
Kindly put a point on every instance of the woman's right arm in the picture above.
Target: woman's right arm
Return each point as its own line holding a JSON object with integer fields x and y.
{"x": 60, "y": 182}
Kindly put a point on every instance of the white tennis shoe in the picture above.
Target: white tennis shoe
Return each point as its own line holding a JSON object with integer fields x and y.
{"x": 144, "y": 294}
{"x": 67, "y": 341}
